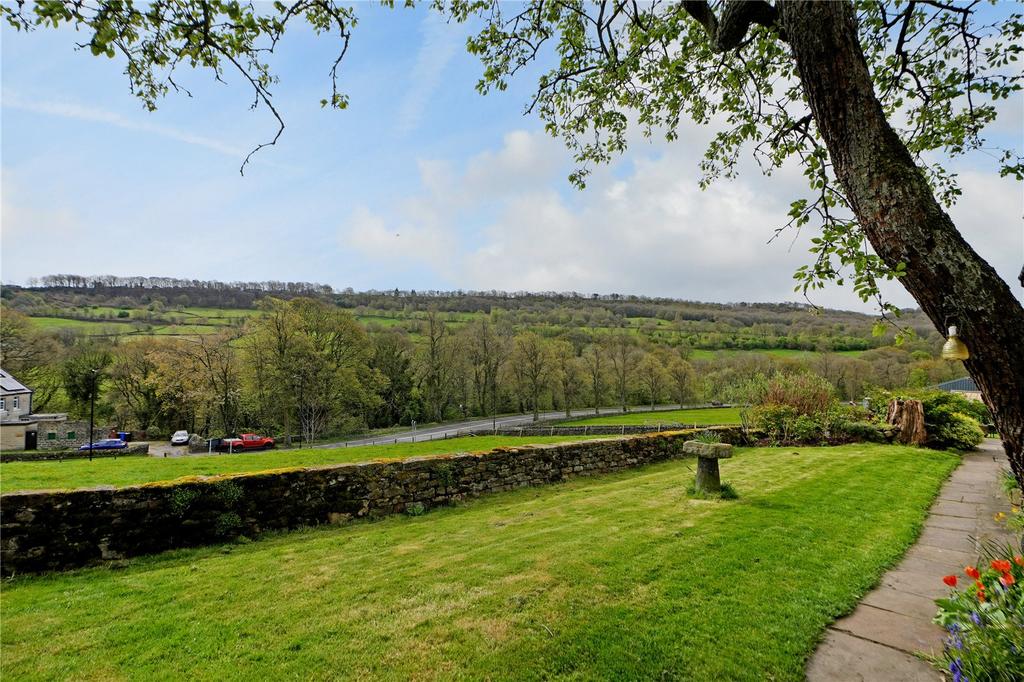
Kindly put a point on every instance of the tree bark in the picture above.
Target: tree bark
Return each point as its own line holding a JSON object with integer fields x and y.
{"x": 900, "y": 215}
{"x": 908, "y": 417}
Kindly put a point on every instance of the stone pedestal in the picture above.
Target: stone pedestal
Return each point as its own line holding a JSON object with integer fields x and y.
{"x": 708, "y": 478}
{"x": 708, "y": 454}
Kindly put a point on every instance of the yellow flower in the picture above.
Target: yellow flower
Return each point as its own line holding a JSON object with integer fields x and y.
{"x": 1015, "y": 510}
{"x": 999, "y": 516}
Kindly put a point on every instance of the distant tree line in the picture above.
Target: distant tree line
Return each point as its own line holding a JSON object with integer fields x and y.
{"x": 306, "y": 366}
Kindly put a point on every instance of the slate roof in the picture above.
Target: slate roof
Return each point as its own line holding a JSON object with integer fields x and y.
{"x": 9, "y": 385}
{"x": 964, "y": 384}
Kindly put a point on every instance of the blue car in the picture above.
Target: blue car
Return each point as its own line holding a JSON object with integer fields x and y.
{"x": 105, "y": 444}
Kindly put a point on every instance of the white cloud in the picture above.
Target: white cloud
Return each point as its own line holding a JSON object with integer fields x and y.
{"x": 653, "y": 231}
{"x": 413, "y": 239}
{"x": 72, "y": 110}
{"x": 440, "y": 42}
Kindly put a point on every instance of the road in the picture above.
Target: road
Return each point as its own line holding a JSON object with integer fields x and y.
{"x": 453, "y": 429}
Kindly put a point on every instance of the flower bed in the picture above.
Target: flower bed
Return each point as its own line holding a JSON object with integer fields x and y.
{"x": 985, "y": 621}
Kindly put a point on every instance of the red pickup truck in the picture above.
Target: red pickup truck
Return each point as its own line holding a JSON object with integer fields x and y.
{"x": 247, "y": 441}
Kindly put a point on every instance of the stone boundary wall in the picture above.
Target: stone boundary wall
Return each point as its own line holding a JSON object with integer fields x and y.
{"x": 56, "y": 530}
{"x": 133, "y": 450}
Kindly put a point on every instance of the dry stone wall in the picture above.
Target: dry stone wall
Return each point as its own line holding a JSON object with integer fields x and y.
{"x": 56, "y": 530}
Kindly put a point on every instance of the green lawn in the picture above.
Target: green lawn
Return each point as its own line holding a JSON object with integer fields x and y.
{"x": 712, "y": 416}
{"x": 613, "y": 577}
{"x": 80, "y": 473}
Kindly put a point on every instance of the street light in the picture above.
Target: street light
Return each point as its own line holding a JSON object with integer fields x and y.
{"x": 92, "y": 410}
{"x": 302, "y": 433}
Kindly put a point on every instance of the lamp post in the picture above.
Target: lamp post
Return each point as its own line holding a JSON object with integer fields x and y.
{"x": 298, "y": 413}
{"x": 92, "y": 410}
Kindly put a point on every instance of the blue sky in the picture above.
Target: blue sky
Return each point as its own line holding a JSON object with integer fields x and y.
{"x": 421, "y": 184}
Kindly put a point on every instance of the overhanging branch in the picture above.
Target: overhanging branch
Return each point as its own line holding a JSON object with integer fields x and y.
{"x": 737, "y": 17}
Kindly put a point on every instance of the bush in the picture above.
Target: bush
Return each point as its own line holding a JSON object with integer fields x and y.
{"x": 807, "y": 429}
{"x": 949, "y": 429}
{"x": 775, "y": 420}
{"x": 861, "y": 431}
{"x": 951, "y": 420}
{"x": 805, "y": 393}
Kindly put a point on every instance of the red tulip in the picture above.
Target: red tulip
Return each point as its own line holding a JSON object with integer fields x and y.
{"x": 1001, "y": 566}
{"x": 972, "y": 572}
{"x": 950, "y": 580}
{"x": 1007, "y": 579}
{"x": 1019, "y": 560}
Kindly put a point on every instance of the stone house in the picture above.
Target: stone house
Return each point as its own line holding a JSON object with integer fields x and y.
{"x": 20, "y": 429}
{"x": 15, "y": 398}
{"x": 15, "y": 408}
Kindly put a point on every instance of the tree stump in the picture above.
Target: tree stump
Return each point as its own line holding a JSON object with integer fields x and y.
{"x": 908, "y": 418}
{"x": 708, "y": 477}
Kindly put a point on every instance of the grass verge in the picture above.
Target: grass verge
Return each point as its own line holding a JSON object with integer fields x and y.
{"x": 81, "y": 473}
{"x": 710, "y": 416}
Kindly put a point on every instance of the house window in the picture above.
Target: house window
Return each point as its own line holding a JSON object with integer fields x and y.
{"x": 15, "y": 402}
{"x": 3, "y": 403}
{"x": 51, "y": 435}
{"x": 71, "y": 435}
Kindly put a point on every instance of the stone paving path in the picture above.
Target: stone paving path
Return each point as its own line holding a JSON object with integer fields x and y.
{"x": 893, "y": 622}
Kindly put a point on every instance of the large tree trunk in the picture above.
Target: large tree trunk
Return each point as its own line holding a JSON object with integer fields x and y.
{"x": 900, "y": 216}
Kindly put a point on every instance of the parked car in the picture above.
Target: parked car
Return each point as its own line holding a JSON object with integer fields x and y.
{"x": 179, "y": 438}
{"x": 105, "y": 444}
{"x": 247, "y": 441}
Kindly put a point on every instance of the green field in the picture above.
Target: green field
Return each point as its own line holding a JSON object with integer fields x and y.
{"x": 711, "y": 416}
{"x": 83, "y": 326}
{"x": 617, "y": 577}
{"x": 230, "y": 313}
{"x": 78, "y": 473}
{"x": 702, "y": 354}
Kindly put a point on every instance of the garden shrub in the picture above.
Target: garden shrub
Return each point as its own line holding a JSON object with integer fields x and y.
{"x": 805, "y": 392}
{"x": 808, "y": 429}
{"x": 984, "y": 621}
{"x": 775, "y": 420}
{"x": 861, "y": 431}
{"x": 950, "y": 429}
{"x": 951, "y": 420}
{"x": 798, "y": 407}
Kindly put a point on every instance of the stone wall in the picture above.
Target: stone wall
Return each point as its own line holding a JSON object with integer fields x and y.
{"x": 55, "y": 530}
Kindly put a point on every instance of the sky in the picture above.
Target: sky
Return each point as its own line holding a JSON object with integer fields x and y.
{"x": 421, "y": 183}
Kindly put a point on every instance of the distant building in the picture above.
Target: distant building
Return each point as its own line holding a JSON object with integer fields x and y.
{"x": 15, "y": 408}
{"x": 15, "y": 398}
{"x": 20, "y": 429}
{"x": 965, "y": 387}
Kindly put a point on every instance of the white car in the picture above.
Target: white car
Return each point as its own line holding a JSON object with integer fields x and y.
{"x": 179, "y": 438}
